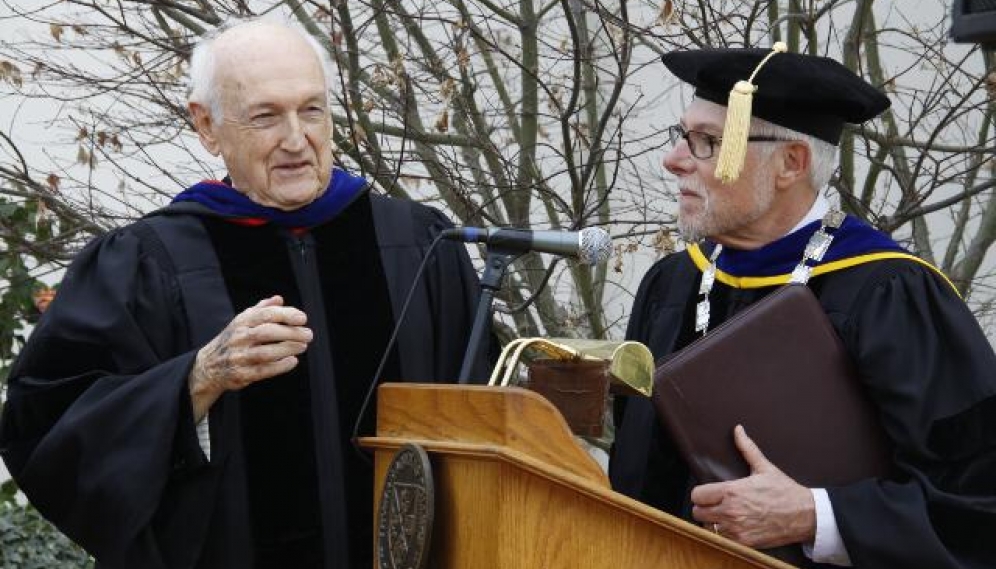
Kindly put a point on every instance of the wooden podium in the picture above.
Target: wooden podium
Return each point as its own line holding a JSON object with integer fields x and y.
{"x": 513, "y": 490}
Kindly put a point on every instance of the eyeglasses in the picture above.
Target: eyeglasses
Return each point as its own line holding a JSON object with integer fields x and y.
{"x": 703, "y": 145}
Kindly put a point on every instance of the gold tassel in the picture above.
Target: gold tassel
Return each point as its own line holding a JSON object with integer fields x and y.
{"x": 733, "y": 150}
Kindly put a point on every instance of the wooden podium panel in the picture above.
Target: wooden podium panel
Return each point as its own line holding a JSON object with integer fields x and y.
{"x": 513, "y": 490}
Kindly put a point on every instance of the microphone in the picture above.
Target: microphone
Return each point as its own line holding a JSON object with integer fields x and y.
{"x": 591, "y": 245}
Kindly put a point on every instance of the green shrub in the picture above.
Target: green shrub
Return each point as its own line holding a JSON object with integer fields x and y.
{"x": 28, "y": 541}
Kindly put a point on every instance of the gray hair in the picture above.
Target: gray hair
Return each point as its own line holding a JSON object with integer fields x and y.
{"x": 824, "y": 154}
{"x": 201, "y": 82}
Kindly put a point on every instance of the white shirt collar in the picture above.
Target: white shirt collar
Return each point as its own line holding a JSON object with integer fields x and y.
{"x": 819, "y": 209}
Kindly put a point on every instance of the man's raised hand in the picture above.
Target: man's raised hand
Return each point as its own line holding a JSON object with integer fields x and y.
{"x": 261, "y": 342}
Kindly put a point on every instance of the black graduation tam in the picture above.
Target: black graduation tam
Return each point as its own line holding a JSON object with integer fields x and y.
{"x": 808, "y": 94}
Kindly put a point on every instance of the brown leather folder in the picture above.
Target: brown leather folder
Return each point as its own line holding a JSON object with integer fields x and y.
{"x": 779, "y": 369}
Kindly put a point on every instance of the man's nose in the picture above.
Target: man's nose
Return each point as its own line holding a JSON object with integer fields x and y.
{"x": 678, "y": 159}
{"x": 295, "y": 134}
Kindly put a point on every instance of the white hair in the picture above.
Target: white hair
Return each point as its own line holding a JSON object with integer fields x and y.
{"x": 823, "y": 155}
{"x": 203, "y": 62}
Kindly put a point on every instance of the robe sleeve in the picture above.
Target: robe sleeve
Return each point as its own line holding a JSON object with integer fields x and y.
{"x": 644, "y": 462}
{"x": 930, "y": 370}
{"x": 454, "y": 290}
{"x": 639, "y": 328}
{"x": 98, "y": 421}
{"x": 433, "y": 337}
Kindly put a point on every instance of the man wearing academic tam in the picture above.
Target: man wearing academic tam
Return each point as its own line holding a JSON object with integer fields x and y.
{"x": 753, "y": 152}
{"x": 189, "y": 397}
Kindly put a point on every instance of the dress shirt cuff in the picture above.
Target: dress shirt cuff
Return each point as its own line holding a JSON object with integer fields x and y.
{"x": 204, "y": 435}
{"x": 828, "y": 547}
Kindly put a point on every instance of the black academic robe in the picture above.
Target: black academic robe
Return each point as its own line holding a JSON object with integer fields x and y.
{"x": 98, "y": 427}
{"x": 926, "y": 365}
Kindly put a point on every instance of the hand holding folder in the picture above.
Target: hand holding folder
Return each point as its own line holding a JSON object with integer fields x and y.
{"x": 779, "y": 369}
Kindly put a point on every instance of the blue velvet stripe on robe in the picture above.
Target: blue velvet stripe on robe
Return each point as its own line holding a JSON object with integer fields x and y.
{"x": 224, "y": 199}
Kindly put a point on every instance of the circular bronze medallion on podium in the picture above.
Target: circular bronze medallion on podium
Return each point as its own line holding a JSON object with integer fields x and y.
{"x": 404, "y": 519}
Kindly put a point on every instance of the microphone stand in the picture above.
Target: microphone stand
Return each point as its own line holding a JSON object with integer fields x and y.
{"x": 494, "y": 271}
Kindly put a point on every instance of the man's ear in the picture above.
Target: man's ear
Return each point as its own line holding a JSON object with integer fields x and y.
{"x": 796, "y": 164}
{"x": 205, "y": 127}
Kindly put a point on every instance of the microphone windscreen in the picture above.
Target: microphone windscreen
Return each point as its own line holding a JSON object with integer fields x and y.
{"x": 596, "y": 245}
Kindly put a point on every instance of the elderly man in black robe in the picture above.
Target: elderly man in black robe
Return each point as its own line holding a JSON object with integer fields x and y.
{"x": 188, "y": 399}
{"x": 921, "y": 356}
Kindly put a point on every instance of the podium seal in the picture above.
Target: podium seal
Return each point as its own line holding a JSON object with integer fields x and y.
{"x": 404, "y": 519}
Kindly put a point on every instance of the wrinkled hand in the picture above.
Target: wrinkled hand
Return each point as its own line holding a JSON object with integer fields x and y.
{"x": 765, "y": 509}
{"x": 260, "y": 342}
